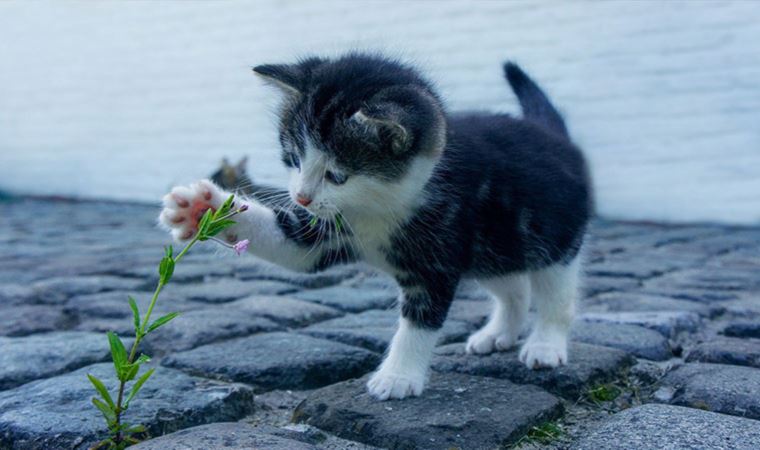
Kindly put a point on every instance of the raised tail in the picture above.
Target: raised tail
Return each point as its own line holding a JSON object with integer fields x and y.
{"x": 535, "y": 105}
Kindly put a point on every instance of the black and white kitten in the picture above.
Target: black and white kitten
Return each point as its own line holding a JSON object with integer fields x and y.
{"x": 426, "y": 196}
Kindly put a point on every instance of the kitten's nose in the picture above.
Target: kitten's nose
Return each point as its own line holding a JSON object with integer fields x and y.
{"x": 303, "y": 200}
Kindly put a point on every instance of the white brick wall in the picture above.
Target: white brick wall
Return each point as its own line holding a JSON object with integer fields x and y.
{"x": 121, "y": 100}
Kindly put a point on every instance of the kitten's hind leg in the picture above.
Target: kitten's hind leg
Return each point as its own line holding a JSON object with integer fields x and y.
{"x": 554, "y": 292}
{"x": 511, "y": 298}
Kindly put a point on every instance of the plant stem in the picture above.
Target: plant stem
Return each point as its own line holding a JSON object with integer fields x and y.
{"x": 155, "y": 297}
{"x": 133, "y": 352}
{"x": 139, "y": 334}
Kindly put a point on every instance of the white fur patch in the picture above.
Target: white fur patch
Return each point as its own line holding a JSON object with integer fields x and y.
{"x": 555, "y": 290}
{"x": 511, "y": 298}
{"x": 309, "y": 179}
{"x": 404, "y": 371}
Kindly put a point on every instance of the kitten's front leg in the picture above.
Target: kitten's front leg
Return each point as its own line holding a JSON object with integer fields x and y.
{"x": 273, "y": 235}
{"x": 404, "y": 370}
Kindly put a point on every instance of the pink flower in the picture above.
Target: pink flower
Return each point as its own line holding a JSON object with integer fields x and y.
{"x": 241, "y": 247}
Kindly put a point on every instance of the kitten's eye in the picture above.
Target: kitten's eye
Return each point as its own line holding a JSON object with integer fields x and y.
{"x": 295, "y": 161}
{"x": 335, "y": 178}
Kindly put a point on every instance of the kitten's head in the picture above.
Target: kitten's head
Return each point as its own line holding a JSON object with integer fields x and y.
{"x": 360, "y": 133}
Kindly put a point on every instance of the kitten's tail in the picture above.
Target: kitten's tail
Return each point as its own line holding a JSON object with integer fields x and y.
{"x": 535, "y": 105}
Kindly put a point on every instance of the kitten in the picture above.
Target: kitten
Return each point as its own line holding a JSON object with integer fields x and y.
{"x": 380, "y": 172}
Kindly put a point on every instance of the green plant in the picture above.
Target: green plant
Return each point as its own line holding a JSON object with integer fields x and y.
{"x": 127, "y": 364}
{"x": 603, "y": 393}
{"x": 543, "y": 434}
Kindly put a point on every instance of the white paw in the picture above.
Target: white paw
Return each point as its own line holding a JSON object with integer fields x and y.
{"x": 185, "y": 205}
{"x": 384, "y": 385}
{"x": 537, "y": 355}
{"x": 483, "y": 342}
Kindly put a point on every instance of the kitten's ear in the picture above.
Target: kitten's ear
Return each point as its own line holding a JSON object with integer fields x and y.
{"x": 225, "y": 163}
{"x": 291, "y": 78}
{"x": 242, "y": 163}
{"x": 287, "y": 77}
{"x": 385, "y": 125}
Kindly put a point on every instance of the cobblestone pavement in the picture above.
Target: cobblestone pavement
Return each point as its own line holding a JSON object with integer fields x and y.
{"x": 666, "y": 350}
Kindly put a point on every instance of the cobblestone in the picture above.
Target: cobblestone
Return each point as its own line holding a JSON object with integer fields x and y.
{"x": 23, "y": 320}
{"x": 221, "y": 436}
{"x": 685, "y": 300}
{"x": 660, "y": 427}
{"x": 264, "y": 271}
{"x": 277, "y": 361}
{"x": 374, "y": 329}
{"x": 284, "y": 310}
{"x": 222, "y": 291}
{"x": 58, "y": 290}
{"x": 205, "y": 326}
{"x": 30, "y": 358}
{"x": 636, "y": 302}
{"x": 743, "y": 329}
{"x": 456, "y": 411}
{"x": 740, "y": 352}
{"x": 667, "y": 323}
{"x": 638, "y": 341}
{"x": 716, "y": 387}
{"x": 350, "y": 299}
{"x": 56, "y": 413}
{"x": 588, "y": 364}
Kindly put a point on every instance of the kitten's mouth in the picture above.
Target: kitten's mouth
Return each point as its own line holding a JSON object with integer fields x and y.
{"x": 319, "y": 210}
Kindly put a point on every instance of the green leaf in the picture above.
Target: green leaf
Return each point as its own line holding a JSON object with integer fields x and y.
{"x": 101, "y": 388}
{"x": 339, "y": 223}
{"x": 135, "y": 313}
{"x": 313, "y": 221}
{"x": 162, "y": 321}
{"x": 118, "y": 352}
{"x": 129, "y": 372}
{"x": 102, "y": 444}
{"x": 138, "y": 384}
{"x": 113, "y": 428}
{"x": 203, "y": 225}
{"x": 107, "y": 412}
{"x": 128, "y": 429}
{"x": 166, "y": 269}
{"x": 136, "y": 429}
{"x": 169, "y": 251}
{"x": 224, "y": 209}
{"x": 216, "y": 227}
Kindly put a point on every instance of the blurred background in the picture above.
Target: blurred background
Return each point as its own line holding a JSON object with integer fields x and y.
{"x": 117, "y": 100}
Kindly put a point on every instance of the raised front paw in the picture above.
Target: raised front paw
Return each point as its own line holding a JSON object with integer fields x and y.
{"x": 185, "y": 205}
{"x": 384, "y": 385}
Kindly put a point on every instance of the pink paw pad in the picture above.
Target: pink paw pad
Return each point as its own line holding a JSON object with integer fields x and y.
{"x": 185, "y": 206}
